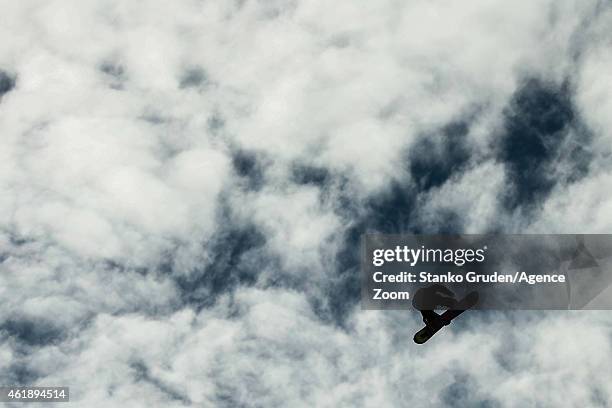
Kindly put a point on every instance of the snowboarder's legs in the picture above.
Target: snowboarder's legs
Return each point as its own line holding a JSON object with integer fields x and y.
{"x": 429, "y": 316}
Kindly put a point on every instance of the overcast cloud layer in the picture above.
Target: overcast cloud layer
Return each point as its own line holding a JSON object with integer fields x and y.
{"x": 183, "y": 186}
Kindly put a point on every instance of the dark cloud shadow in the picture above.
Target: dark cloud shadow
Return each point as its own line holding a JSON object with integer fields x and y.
{"x": 32, "y": 332}
{"x": 7, "y": 82}
{"x": 142, "y": 373}
{"x": 543, "y": 143}
{"x": 303, "y": 174}
{"x": 250, "y": 168}
{"x": 434, "y": 159}
{"x": 194, "y": 77}
{"x": 115, "y": 74}
{"x": 237, "y": 256}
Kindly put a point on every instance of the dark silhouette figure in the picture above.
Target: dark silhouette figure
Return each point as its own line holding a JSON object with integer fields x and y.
{"x": 427, "y": 299}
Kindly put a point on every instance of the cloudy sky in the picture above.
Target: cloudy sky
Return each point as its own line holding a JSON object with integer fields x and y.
{"x": 183, "y": 187}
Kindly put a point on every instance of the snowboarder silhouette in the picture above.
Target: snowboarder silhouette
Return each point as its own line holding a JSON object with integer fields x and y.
{"x": 427, "y": 299}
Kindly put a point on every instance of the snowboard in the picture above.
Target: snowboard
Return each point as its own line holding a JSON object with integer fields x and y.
{"x": 445, "y": 318}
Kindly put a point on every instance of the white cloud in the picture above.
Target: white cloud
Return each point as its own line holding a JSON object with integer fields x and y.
{"x": 474, "y": 196}
{"x": 275, "y": 352}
